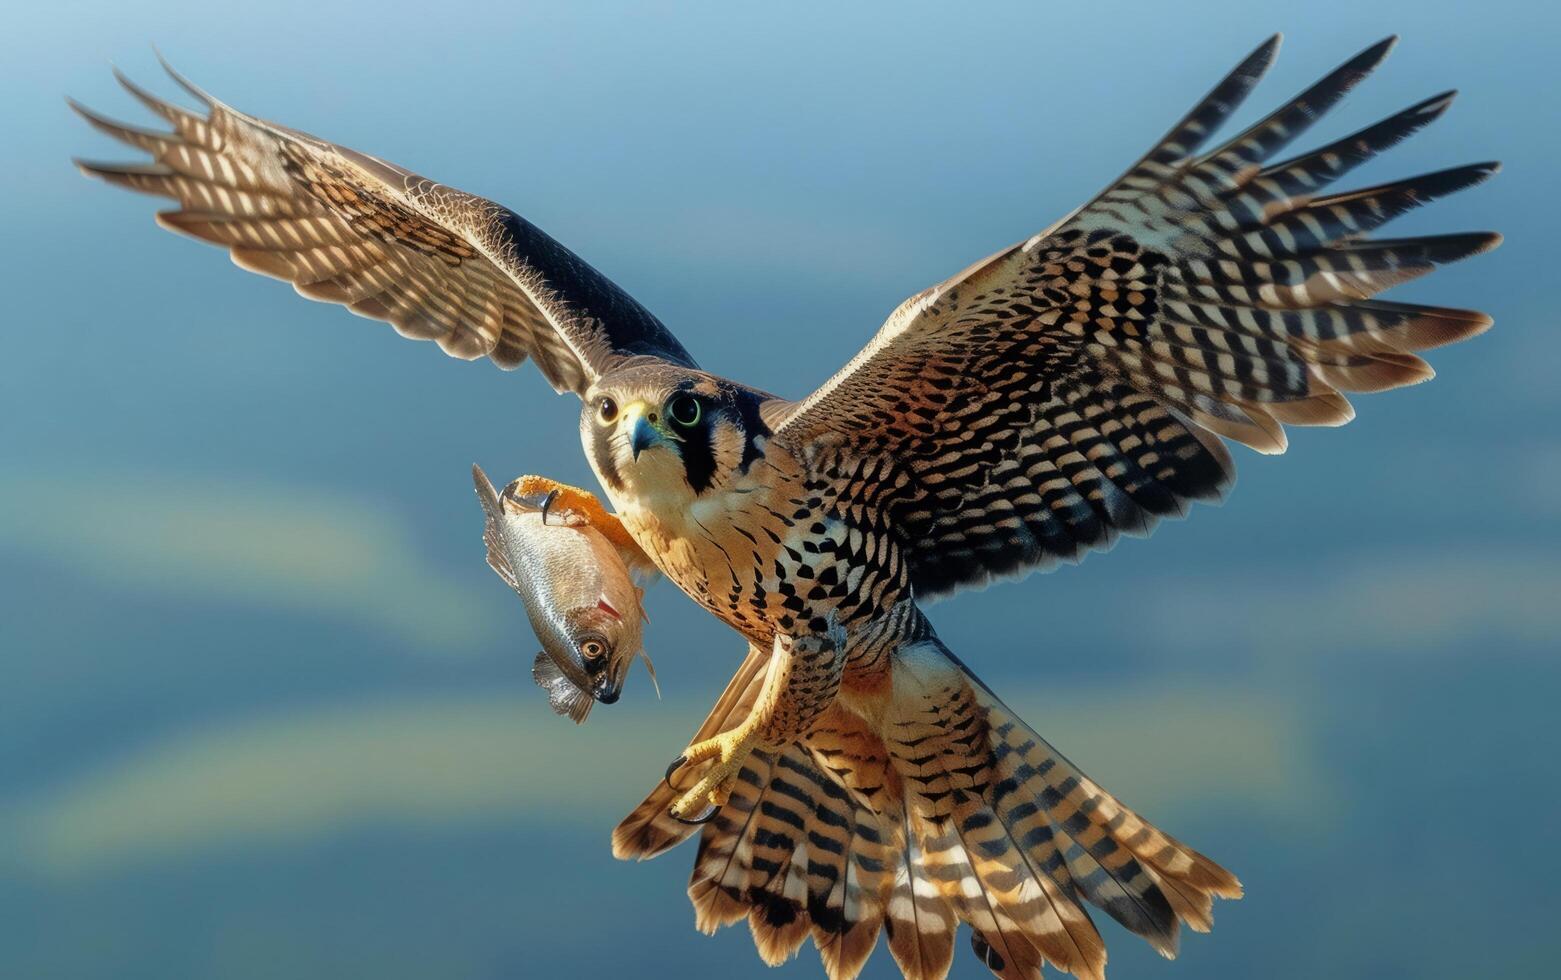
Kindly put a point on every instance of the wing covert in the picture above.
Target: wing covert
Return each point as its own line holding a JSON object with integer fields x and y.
{"x": 343, "y": 227}
{"x": 1073, "y": 387}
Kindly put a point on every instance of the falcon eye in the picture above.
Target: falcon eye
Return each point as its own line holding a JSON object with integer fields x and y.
{"x": 607, "y": 410}
{"x": 685, "y": 410}
{"x": 593, "y": 650}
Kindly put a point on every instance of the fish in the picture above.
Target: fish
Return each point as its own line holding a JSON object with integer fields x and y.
{"x": 582, "y": 601}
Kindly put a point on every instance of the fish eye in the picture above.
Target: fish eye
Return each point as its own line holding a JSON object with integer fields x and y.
{"x": 593, "y": 649}
{"x": 606, "y": 410}
{"x": 685, "y": 410}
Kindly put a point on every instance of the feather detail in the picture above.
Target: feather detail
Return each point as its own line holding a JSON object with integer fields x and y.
{"x": 649, "y": 830}
{"x": 1068, "y": 390}
{"x": 343, "y": 227}
{"x": 945, "y": 810}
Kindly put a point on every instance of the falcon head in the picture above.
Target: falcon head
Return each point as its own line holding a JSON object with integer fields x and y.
{"x": 665, "y": 432}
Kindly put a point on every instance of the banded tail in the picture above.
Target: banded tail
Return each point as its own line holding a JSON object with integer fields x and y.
{"x": 946, "y": 810}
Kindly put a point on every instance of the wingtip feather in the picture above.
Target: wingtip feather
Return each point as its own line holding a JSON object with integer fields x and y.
{"x": 161, "y": 107}
{"x": 1373, "y": 55}
{"x": 184, "y": 83}
{"x": 110, "y": 170}
{"x": 1257, "y": 64}
{"x": 1436, "y": 104}
{"x": 131, "y": 87}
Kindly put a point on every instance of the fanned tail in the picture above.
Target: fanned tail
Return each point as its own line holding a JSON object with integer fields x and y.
{"x": 1020, "y": 840}
{"x": 794, "y": 851}
{"x": 945, "y": 810}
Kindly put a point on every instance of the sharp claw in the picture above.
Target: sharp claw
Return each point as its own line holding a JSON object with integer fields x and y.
{"x": 714, "y": 788}
{"x": 547, "y": 502}
{"x": 696, "y": 821}
{"x": 676, "y": 764}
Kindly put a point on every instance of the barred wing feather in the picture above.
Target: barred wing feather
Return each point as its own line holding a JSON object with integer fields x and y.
{"x": 1073, "y": 387}
{"x": 343, "y": 227}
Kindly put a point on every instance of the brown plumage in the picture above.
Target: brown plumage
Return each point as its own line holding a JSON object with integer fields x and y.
{"x": 343, "y": 227}
{"x": 949, "y": 810}
{"x": 1031, "y": 409}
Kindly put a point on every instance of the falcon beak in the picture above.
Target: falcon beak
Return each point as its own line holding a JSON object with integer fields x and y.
{"x": 643, "y": 436}
{"x": 643, "y": 432}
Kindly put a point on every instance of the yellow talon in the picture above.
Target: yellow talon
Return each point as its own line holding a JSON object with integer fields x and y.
{"x": 730, "y": 750}
{"x": 584, "y": 505}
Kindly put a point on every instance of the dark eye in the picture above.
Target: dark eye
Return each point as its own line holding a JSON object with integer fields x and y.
{"x": 685, "y": 410}
{"x": 593, "y": 650}
{"x": 607, "y": 410}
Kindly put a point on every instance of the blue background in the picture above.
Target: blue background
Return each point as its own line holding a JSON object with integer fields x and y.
{"x": 266, "y": 713}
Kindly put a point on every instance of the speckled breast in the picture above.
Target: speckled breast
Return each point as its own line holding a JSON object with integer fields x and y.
{"x": 779, "y": 556}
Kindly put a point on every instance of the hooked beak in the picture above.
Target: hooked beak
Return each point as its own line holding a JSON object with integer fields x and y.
{"x": 643, "y": 436}
{"x": 643, "y": 431}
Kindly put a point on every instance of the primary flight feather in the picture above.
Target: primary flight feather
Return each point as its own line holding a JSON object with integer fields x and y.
{"x": 855, "y": 778}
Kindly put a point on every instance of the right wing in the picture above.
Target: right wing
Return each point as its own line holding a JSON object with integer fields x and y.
{"x": 436, "y": 263}
{"x": 1074, "y": 387}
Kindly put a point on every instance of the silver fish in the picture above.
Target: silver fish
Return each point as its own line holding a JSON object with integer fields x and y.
{"x": 581, "y": 600}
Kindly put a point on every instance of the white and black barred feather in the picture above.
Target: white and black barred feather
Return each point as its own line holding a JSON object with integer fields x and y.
{"x": 1070, "y": 389}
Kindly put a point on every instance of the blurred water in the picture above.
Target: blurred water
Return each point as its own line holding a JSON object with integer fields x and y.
{"x": 267, "y": 714}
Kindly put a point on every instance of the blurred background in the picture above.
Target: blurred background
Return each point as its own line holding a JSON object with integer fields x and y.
{"x": 267, "y": 714}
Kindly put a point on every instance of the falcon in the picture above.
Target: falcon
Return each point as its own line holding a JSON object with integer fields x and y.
{"x": 855, "y": 778}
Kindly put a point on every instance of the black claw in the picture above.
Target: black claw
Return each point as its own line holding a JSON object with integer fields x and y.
{"x": 676, "y": 763}
{"x": 547, "y": 502}
{"x": 697, "y": 821}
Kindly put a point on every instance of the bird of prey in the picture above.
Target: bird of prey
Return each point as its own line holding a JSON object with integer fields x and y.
{"x": 1073, "y": 387}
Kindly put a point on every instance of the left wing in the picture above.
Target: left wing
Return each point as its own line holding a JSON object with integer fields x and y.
{"x": 1074, "y": 386}
{"x": 343, "y": 227}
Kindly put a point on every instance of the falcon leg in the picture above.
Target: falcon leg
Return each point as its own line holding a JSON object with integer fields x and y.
{"x": 800, "y": 683}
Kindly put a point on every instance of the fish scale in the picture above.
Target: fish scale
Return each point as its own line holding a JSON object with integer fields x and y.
{"x": 576, "y": 590}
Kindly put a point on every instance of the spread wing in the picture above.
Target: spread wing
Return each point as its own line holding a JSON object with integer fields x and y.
{"x": 1072, "y": 387}
{"x": 436, "y": 263}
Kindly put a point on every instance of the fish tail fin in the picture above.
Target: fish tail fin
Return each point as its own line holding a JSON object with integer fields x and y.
{"x": 493, "y": 513}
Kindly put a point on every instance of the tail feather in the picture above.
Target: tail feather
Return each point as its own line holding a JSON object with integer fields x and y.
{"x": 849, "y": 913}
{"x": 721, "y": 887}
{"x": 986, "y": 893}
{"x": 779, "y": 847}
{"x": 1053, "y": 820}
{"x": 650, "y": 830}
{"x": 794, "y": 854}
{"x": 921, "y": 921}
{"x": 943, "y": 809}
{"x": 1111, "y": 857}
{"x": 848, "y": 886}
{"x": 939, "y": 742}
